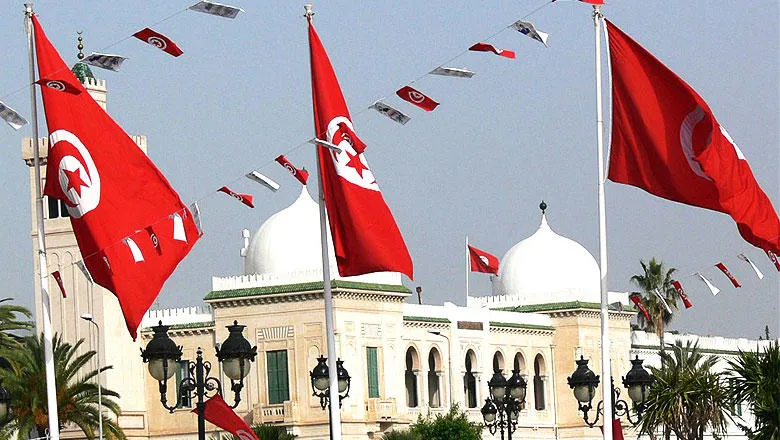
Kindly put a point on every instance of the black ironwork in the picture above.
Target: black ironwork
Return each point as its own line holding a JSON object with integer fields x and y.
{"x": 320, "y": 384}
{"x": 507, "y": 398}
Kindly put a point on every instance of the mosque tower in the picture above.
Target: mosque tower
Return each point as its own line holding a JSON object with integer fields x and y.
{"x": 62, "y": 253}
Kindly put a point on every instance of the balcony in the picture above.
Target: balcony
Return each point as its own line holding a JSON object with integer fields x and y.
{"x": 381, "y": 409}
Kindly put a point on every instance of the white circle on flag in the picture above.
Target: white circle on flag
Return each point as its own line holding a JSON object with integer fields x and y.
{"x": 243, "y": 435}
{"x": 289, "y": 168}
{"x": 157, "y": 42}
{"x": 349, "y": 161}
{"x": 484, "y": 260}
{"x": 56, "y": 85}
{"x": 87, "y": 196}
{"x": 416, "y": 96}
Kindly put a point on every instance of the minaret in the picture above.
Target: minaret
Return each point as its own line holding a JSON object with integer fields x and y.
{"x": 62, "y": 254}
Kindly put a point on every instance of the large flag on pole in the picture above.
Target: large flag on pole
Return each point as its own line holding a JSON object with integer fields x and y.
{"x": 131, "y": 227}
{"x": 666, "y": 141}
{"x": 482, "y": 261}
{"x": 217, "y": 411}
{"x": 365, "y": 236}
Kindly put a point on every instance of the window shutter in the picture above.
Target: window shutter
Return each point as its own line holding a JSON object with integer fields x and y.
{"x": 373, "y": 372}
{"x": 278, "y": 387}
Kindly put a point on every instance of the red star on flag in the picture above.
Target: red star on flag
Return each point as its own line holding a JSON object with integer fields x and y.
{"x": 356, "y": 163}
{"x": 75, "y": 181}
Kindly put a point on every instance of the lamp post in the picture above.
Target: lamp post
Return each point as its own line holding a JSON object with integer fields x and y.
{"x": 502, "y": 409}
{"x": 584, "y": 382}
{"x": 163, "y": 355}
{"x": 88, "y": 317}
{"x": 319, "y": 381}
{"x": 449, "y": 362}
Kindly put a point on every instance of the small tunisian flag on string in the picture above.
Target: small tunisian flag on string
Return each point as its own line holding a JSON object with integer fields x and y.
{"x": 112, "y": 192}
{"x": 666, "y": 141}
{"x": 486, "y": 47}
{"x": 726, "y": 272}
{"x": 365, "y": 236}
{"x": 773, "y": 257}
{"x": 678, "y": 287}
{"x": 159, "y": 41}
{"x": 220, "y": 414}
{"x": 58, "y": 279}
{"x": 301, "y": 175}
{"x": 638, "y": 303}
{"x": 482, "y": 261}
{"x": 246, "y": 199}
{"x": 753, "y": 266}
{"x": 416, "y": 97}
{"x": 709, "y": 285}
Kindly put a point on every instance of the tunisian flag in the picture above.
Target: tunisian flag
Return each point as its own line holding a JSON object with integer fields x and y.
{"x": 482, "y": 261}
{"x": 219, "y": 413}
{"x": 666, "y": 141}
{"x": 131, "y": 227}
{"x": 365, "y": 236}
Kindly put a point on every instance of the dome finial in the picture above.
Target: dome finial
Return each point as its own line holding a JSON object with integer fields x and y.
{"x": 543, "y": 206}
{"x": 80, "y": 46}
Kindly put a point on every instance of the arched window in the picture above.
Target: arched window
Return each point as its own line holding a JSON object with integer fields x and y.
{"x": 470, "y": 380}
{"x": 539, "y": 379}
{"x": 519, "y": 364}
{"x": 410, "y": 377}
{"x": 498, "y": 362}
{"x": 434, "y": 374}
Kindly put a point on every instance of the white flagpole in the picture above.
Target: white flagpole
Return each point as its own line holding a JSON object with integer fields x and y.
{"x": 605, "y": 345}
{"x": 468, "y": 269}
{"x": 51, "y": 387}
{"x": 335, "y": 404}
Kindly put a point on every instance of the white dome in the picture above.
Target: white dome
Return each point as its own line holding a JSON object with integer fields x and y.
{"x": 548, "y": 268}
{"x": 289, "y": 241}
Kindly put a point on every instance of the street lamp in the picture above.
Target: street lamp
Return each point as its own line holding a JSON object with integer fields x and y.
{"x": 163, "y": 355}
{"x": 88, "y": 317}
{"x": 320, "y": 385}
{"x": 507, "y": 397}
{"x": 449, "y": 359}
{"x": 584, "y": 382}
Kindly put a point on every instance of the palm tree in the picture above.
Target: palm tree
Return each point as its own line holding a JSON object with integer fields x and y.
{"x": 688, "y": 396}
{"x": 77, "y": 390}
{"x": 756, "y": 380}
{"x": 13, "y": 319}
{"x": 656, "y": 281}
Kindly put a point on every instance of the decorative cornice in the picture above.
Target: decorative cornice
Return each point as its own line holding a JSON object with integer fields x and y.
{"x": 574, "y": 308}
{"x": 657, "y": 348}
{"x": 192, "y": 328}
{"x": 513, "y": 327}
{"x": 427, "y": 319}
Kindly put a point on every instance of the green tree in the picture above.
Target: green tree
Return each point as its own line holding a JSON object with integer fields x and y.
{"x": 13, "y": 319}
{"x": 451, "y": 426}
{"x": 656, "y": 281}
{"x": 77, "y": 390}
{"x": 688, "y": 395}
{"x": 756, "y": 380}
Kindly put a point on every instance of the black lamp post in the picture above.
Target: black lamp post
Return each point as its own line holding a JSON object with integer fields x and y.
{"x": 320, "y": 385}
{"x": 507, "y": 397}
{"x": 584, "y": 382}
{"x": 163, "y": 355}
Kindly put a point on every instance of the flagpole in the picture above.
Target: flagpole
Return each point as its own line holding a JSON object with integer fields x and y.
{"x": 605, "y": 344}
{"x": 468, "y": 268}
{"x": 51, "y": 387}
{"x": 333, "y": 388}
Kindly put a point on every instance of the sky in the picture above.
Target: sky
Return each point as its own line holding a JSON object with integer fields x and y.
{"x": 518, "y": 132}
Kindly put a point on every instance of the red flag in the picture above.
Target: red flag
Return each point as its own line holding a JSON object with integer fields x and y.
{"x": 726, "y": 272}
{"x": 220, "y": 414}
{"x": 617, "y": 427}
{"x": 681, "y": 292}
{"x": 772, "y": 256}
{"x": 159, "y": 41}
{"x": 486, "y": 47}
{"x": 246, "y": 199}
{"x": 365, "y": 236}
{"x": 666, "y": 141}
{"x": 61, "y": 85}
{"x": 638, "y": 303}
{"x": 58, "y": 278}
{"x": 417, "y": 98}
{"x": 112, "y": 192}
{"x": 593, "y": 2}
{"x": 301, "y": 175}
{"x": 482, "y": 261}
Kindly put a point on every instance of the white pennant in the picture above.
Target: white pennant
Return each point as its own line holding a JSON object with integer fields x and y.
{"x": 84, "y": 270}
{"x": 217, "y": 9}
{"x": 392, "y": 113}
{"x": 178, "y": 228}
{"x": 12, "y": 117}
{"x": 710, "y": 286}
{"x": 744, "y": 258}
{"x": 135, "y": 250}
{"x": 104, "y": 61}
{"x": 452, "y": 71}
{"x": 663, "y": 301}
{"x": 195, "y": 210}
{"x": 527, "y": 28}
{"x": 263, "y": 180}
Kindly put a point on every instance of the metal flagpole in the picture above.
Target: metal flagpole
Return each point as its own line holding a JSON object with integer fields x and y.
{"x": 333, "y": 387}
{"x": 51, "y": 387}
{"x": 468, "y": 268}
{"x": 605, "y": 345}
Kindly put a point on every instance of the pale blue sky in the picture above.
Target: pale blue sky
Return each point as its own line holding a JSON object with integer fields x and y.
{"x": 518, "y": 132}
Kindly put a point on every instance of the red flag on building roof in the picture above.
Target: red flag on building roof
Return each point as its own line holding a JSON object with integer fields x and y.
{"x": 482, "y": 261}
{"x": 300, "y": 174}
{"x": 666, "y": 141}
{"x": 217, "y": 411}
{"x": 487, "y": 47}
{"x": 112, "y": 192}
{"x": 365, "y": 236}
